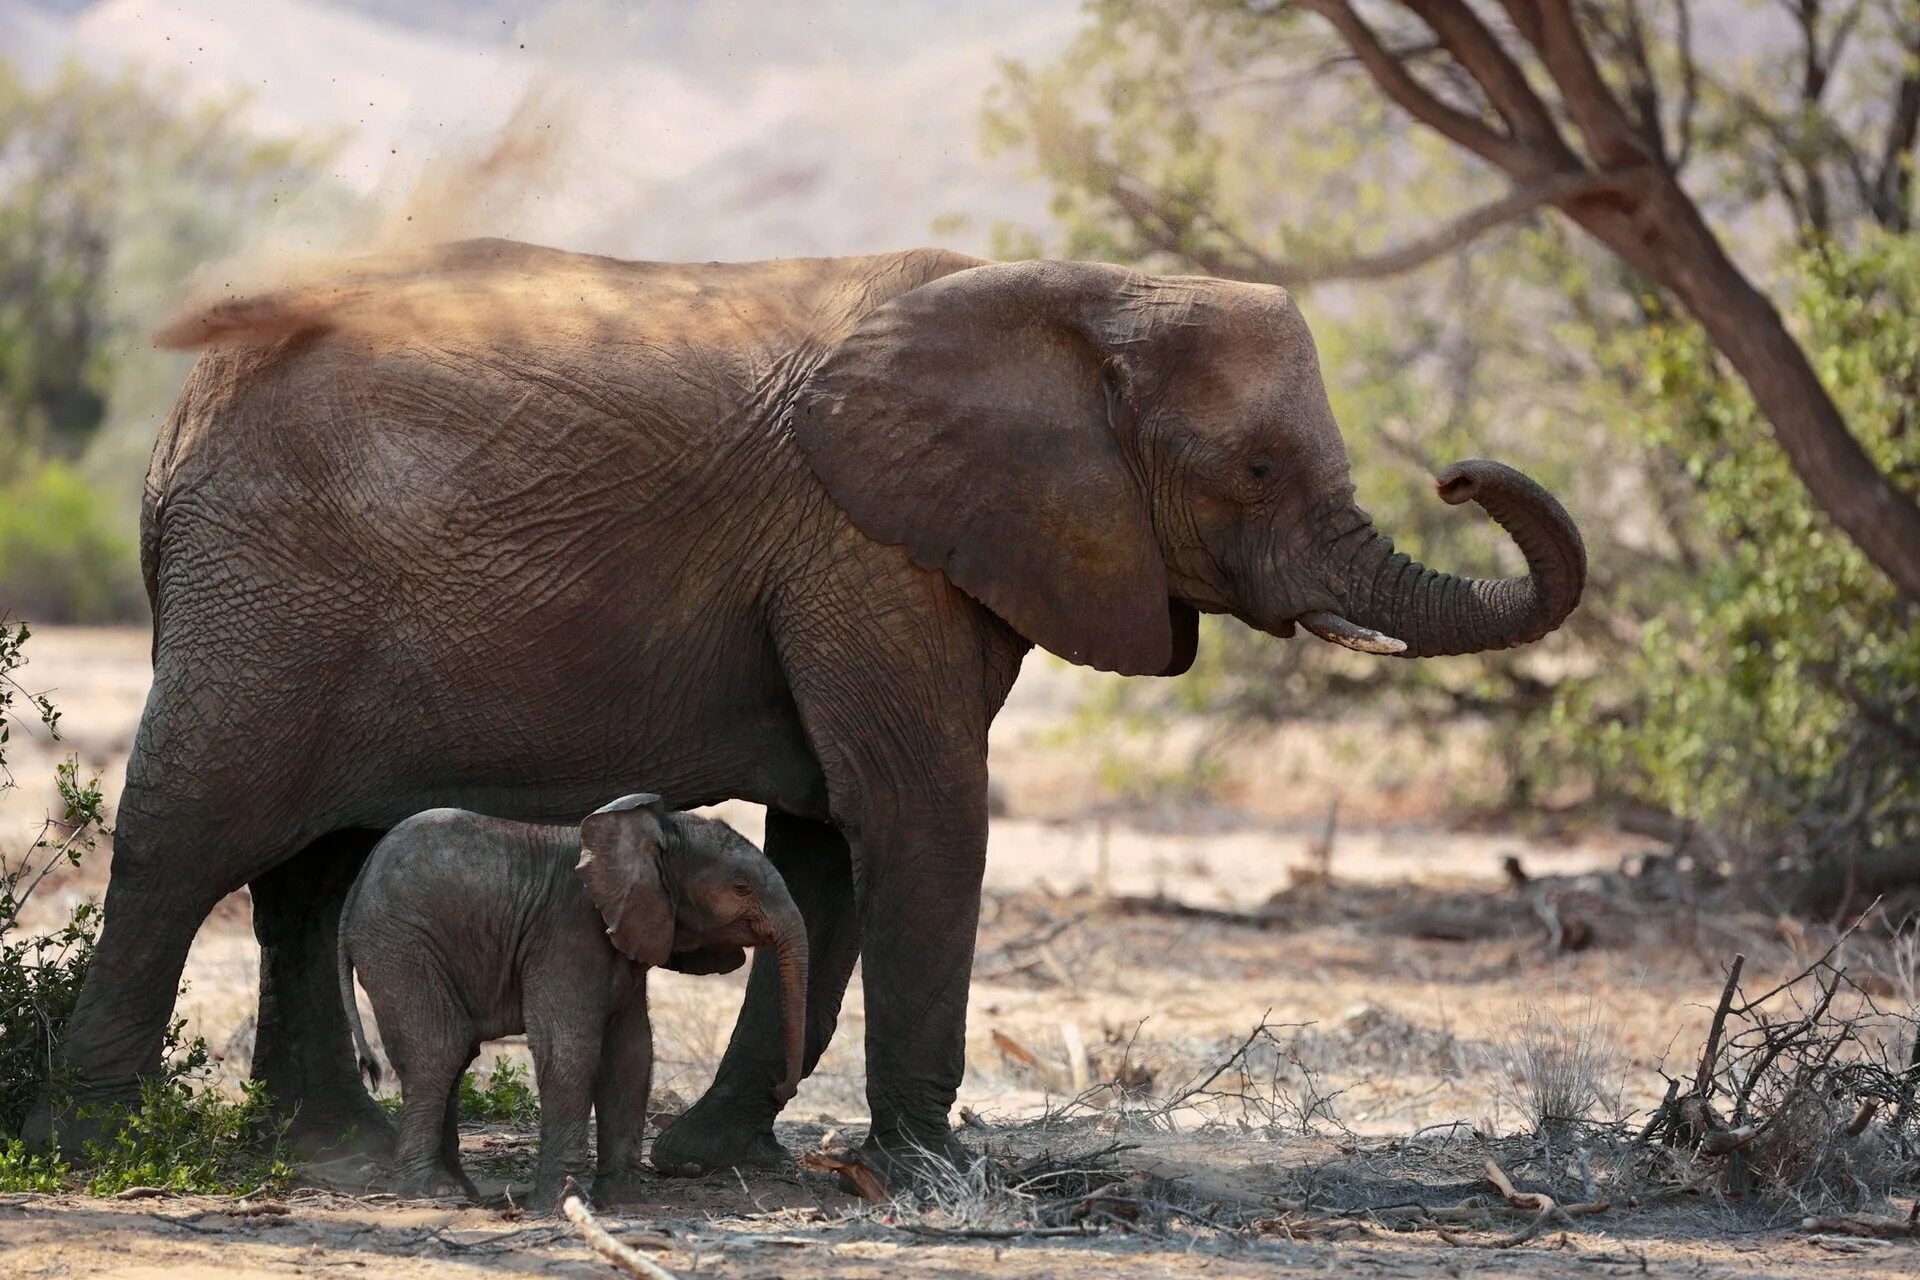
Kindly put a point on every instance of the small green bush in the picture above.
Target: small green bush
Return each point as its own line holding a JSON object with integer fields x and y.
{"x": 185, "y": 1134}
{"x": 193, "y": 1140}
{"x": 507, "y": 1097}
{"x": 40, "y": 973}
{"x": 62, "y": 559}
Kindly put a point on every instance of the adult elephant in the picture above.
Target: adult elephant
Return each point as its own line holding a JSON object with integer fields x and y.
{"x": 509, "y": 529}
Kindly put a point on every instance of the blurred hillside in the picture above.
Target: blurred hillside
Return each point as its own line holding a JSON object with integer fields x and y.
{"x": 735, "y": 130}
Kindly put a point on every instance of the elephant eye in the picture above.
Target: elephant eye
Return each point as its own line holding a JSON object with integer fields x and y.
{"x": 1260, "y": 468}
{"x": 741, "y": 889}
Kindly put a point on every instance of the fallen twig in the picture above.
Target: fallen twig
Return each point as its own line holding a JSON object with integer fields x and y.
{"x": 1519, "y": 1237}
{"x": 1294, "y": 1228}
{"x": 1544, "y": 1208}
{"x": 1872, "y": 1226}
{"x": 993, "y": 1233}
{"x": 1161, "y": 905}
{"x": 619, "y": 1255}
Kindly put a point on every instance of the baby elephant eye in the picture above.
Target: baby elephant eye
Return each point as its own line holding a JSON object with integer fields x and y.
{"x": 741, "y": 889}
{"x": 1260, "y": 468}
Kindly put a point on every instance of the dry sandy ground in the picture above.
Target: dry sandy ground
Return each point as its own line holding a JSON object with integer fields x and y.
{"x": 1404, "y": 1034}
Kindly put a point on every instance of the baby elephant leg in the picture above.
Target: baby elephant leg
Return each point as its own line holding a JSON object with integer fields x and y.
{"x": 620, "y": 1102}
{"x": 450, "y": 1131}
{"x": 565, "y": 1059}
{"x": 430, "y": 1044}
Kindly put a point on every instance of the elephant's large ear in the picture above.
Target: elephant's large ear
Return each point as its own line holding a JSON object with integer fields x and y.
{"x": 621, "y": 845}
{"x": 976, "y": 422}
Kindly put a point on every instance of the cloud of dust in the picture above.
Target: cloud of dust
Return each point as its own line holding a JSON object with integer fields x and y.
{"x": 736, "y": 130}
{"x": 317, "y": 262}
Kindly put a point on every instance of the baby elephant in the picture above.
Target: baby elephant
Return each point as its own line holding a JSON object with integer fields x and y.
{"x": 466, "y": 928}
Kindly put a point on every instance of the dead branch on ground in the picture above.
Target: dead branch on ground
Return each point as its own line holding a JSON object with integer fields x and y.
{"x": 602, "y": 1242}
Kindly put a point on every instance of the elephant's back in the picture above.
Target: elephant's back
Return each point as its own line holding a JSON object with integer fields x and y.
{"x": 457, "y": 398}
{"x": 455, "y": 865}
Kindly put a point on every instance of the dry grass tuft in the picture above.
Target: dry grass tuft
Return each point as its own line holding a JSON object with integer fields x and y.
{"x": 1560, "y": 1072}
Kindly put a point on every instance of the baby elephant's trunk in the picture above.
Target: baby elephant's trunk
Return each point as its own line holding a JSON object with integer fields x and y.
{"x": 789, "y": 938}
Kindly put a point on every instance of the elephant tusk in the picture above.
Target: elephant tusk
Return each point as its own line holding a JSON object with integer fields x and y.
{"x": 1335, "y": 629}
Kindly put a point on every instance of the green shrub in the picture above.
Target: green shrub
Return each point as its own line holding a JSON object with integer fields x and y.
{"x": 41, "y": 972}
{"x": 185, "y": 1134}
{"x": 62, "y": 558}
{"x": 1778, "y": 698}
{"x": 507, "y": 1097}
{"x": 191, "y": 1139}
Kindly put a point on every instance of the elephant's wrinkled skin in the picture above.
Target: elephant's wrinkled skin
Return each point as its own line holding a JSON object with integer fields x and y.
{"x": 496, "y": 526}
{"x": 466, "y": 928}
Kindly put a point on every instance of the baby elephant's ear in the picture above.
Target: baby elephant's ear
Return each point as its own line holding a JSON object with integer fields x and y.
{"x": 621, "y": 845}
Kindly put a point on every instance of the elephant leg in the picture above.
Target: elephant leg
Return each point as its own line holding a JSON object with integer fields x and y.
{"x": 732, "y": 1123}
{"x": 117, "y": 1033}
{"x": 450, "y": 1131}
{"x": 430, "y": 1040}
{"x": 429, "y": 1090}
{"x": 566, "y": 1061}
{"x": 620, "y": 1100}
{"x": 303, "y": 1050}
{"x": 919, "y": 912}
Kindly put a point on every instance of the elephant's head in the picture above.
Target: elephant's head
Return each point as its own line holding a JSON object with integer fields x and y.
{"x": 691, "y": 894}
{"x": 1097, "y": 454}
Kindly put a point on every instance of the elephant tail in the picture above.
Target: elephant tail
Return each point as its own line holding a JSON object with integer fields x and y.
{"x": 363, "y": 1051}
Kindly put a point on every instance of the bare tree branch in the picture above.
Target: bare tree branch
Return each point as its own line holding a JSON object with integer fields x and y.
{"x": 1412, "y": 97}
{"x": 1658, "y": 228}
{"x": 1689, "y": 83}
{"x": 1552, "y": 29}
{"x": 1479, "y": 51}
{"x": 1149, "y": 214}
{"x": 1645, "y": 85}
{"x": 1893, "y": 186}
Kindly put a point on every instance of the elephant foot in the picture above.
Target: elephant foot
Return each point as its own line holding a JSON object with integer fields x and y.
{"x": 433, "y": 1184}
{"x": 91, "y": 1118}
{"x": 328, "y": 1129}
{"x": 700, "y": 1143}
{"x": 907, "y": 1164}
{"x": 612, "y": 1190}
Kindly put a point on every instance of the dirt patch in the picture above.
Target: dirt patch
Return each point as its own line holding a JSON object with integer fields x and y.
{"x": 804, "y": 1225}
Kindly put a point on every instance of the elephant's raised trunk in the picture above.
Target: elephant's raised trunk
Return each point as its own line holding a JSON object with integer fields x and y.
{"x": 788, "y": 932}
{"x": 1393, "y": 604}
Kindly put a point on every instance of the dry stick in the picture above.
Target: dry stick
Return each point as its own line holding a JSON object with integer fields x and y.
{"x": 1520, "y": 1237}
{"x": 1775, "y": 1045}
{"x": 1862, "y": 1118}
{"x": 991, "y": 1233}
{"x": 1703, "y": 1078}
{"x": 1817, "y": 965}
{"x": 1909, "y": 1089}
{"x": 1662, "y": 1115}
{"x": 1861, "y": 1224}
{"x": 627, "y": 1260}
{"x": 1252, "y": 1037}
